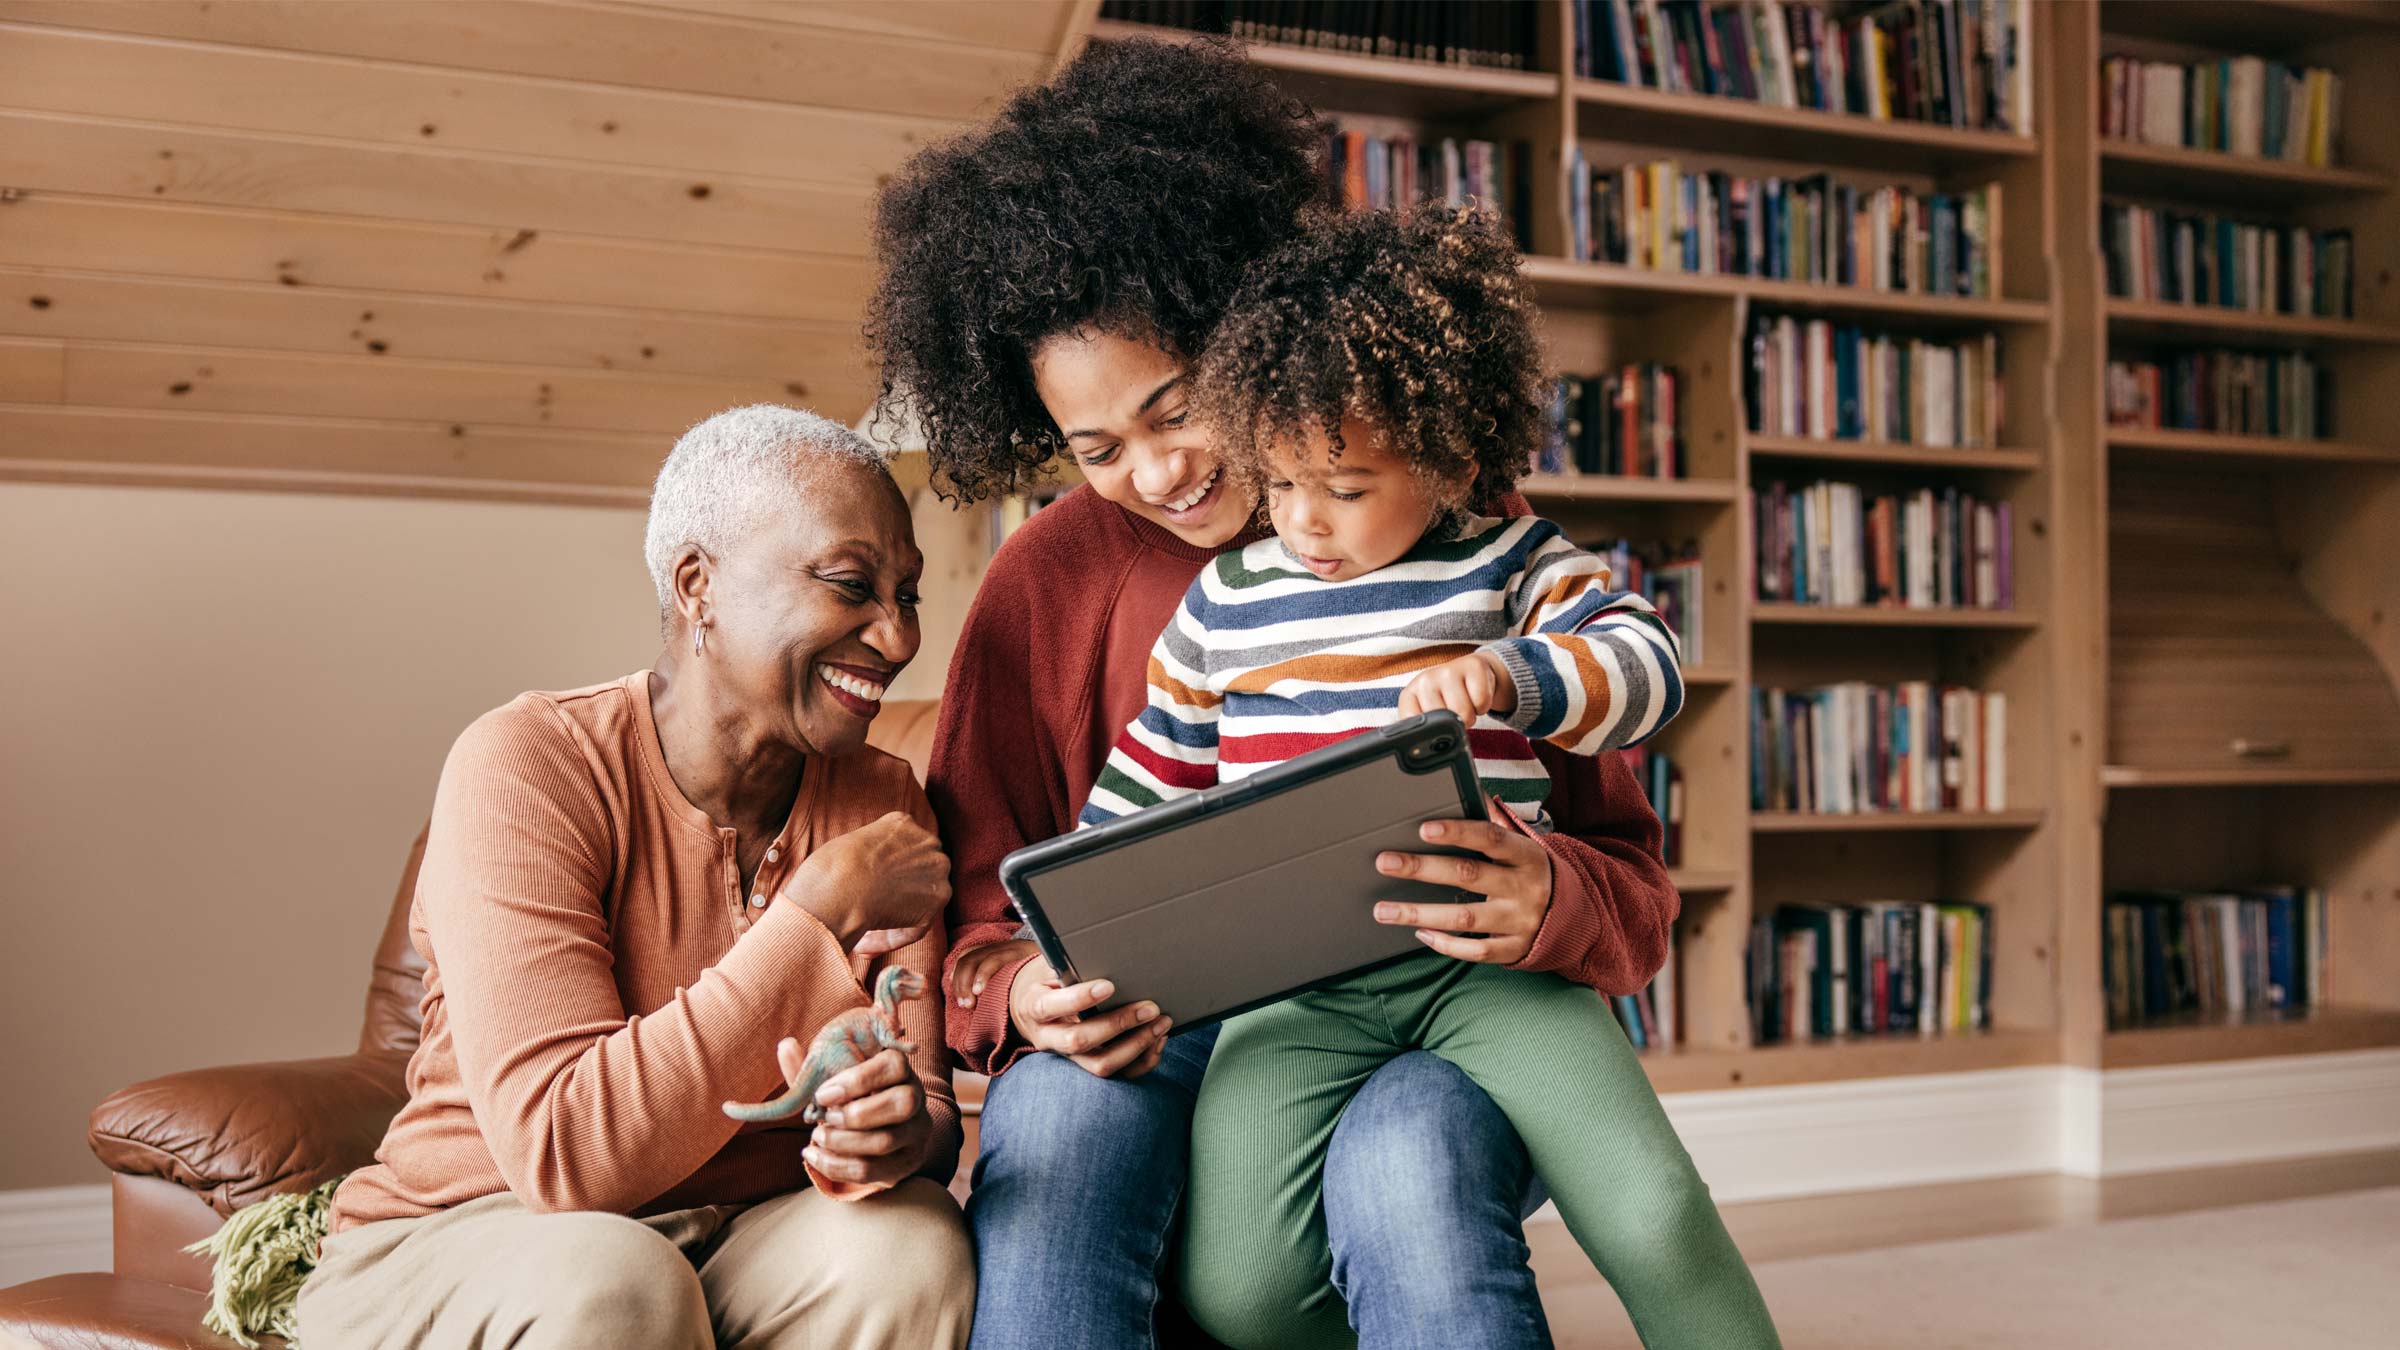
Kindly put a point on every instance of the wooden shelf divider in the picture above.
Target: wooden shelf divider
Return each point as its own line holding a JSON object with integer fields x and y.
{"x": 1889, "y": 453}
{"x": 1628, "y": 488}
{"x": 1827, "y": 822}
{"x": 2225, "y": 447}
{"x": 1890, "y": 616}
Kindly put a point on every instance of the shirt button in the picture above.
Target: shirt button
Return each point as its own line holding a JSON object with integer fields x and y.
{"x": 758, "y": 902}
{"x": 773, "y": 854}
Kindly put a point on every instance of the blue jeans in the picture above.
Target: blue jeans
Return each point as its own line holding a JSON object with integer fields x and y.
{"x": 1077, "y": 1181}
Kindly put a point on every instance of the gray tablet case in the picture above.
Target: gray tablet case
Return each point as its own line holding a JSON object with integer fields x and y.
{"x": 1248, "y": 892}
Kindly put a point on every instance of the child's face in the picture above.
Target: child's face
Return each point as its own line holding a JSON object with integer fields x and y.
{"x": 1350, "y": 516}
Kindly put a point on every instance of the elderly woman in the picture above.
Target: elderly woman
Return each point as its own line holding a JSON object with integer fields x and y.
{"x": 631, "y": 894}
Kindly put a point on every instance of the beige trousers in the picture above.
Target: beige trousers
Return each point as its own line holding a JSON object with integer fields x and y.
{"x": 798, "y": 1272}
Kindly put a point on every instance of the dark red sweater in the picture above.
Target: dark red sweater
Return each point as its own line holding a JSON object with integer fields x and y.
{"x": 1050, "y": 668}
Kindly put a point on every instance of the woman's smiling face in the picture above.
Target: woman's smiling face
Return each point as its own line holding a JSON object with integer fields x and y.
{"x": 1122, "y": 407}
{"x": 814, "y": 615}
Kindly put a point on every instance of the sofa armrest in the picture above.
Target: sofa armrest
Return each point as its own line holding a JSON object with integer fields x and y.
{"x": 237, "y": 1134}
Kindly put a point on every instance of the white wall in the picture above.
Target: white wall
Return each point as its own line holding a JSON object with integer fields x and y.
{"x": 221, "y": 718}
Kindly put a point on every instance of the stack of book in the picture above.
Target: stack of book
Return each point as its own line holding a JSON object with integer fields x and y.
{"x": 1662, "y": 785}
{"x": 1858, "y": 747}
{"x": 2184, "y": 258}
{"x": 1816, "y": 229}
{"x": 1649, "y": 1016}
{"x": 1666, "y": 575}
{"x": 2242, "y": 105}
{"x": 2286, "y": 394}
{"x": 1500, "y": 34}
{"x": 1626, "y": 422}
{"x": 1838, "y": 381}
{"x": 1869, "y": 969}
{"x": 1372, "y": 172}
{"x": 1829, "y": 543}
{"x": 1959, "y": 63}
{"x": 2213, "y": 953}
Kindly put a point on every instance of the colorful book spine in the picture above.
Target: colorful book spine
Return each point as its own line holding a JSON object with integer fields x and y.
{"x": 1837, "y": 381}
{"x": 1961, "y": 63}
{"x": 1625, "y": 423}
{"x": 1817, "y": 230}
{"x": 1857, "y": 748}
{"x": 1838, "y": 543}
{"x": 2223, "y": 954}
{"x": 2239, "y": 105}
{"x": 2281, "y": 394}
{"x": 2174, "y": 257}
{"x": 1880, "y": 967}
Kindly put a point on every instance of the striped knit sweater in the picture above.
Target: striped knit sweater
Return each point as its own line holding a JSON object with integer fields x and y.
{"x": 1265, "y": 661}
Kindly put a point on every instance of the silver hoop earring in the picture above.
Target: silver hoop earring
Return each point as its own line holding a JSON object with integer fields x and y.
{"x": 699, "y": 638}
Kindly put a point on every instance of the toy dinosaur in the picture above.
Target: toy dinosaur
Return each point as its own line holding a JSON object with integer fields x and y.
{"x": 850, "y": 1037}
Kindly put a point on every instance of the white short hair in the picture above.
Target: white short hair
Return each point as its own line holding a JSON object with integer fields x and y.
{"x": 732, "y": 472}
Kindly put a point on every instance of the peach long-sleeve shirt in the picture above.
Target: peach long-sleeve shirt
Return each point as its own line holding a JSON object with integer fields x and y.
{"x": 598, "y": 983}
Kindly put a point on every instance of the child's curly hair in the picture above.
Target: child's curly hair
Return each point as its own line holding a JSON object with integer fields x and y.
{"x": 1127, "y": 196}
{"x": 1414, "y": 321}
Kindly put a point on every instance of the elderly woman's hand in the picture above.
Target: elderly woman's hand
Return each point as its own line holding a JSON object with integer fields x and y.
{"x": 1513, "y": 876}
{"x": 876, "y": 1128}
{"x": 888, "y": 874}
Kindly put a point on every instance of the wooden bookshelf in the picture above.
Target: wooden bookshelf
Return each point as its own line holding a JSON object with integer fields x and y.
{"x": 1601, "y": 315}
{"x": 2203, "y": 755}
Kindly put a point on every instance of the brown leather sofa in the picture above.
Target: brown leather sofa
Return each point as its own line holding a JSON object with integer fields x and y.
{"x": 186, "y": 1150}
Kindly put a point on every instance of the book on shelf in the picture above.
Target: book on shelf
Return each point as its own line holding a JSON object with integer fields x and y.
{"x": 1371, "y": 171}
{"x": 2222, "y": 953}
{"x": 1649, "y": 1017}
{"x": 1956, "y": 63}
{"x": 2281, "y": 394}
{"x": 1662, "y": 786}
{"x": 1835, "y": 543}
{"x": 1841, "y": 381}
{"x": 1856, "y": 748}
{"x": 1499, "y": 34}
{"x": 1876, "y": 968}
{"x": 1666, "y": 575}
{"x": 1818, "y": 229}
{"x": 2239, "y": 105}
{"x": 1625, "y": 423}
{"x": 2201, "y": 259}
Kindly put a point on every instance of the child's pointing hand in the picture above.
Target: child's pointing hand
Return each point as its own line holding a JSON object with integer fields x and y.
{"x": 1469, "y": 685}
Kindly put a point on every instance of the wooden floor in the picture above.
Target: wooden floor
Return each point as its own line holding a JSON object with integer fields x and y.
{"x": 1775, "y": 1230}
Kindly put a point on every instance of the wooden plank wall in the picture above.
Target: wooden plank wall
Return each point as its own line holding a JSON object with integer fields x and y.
{"x": 484, "y": 248}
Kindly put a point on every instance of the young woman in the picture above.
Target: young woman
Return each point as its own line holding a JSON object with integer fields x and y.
{"x": 1047, "y": 284}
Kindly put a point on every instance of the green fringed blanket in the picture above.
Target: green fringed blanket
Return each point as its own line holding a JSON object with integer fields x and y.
{"x": 263, "y": 1255}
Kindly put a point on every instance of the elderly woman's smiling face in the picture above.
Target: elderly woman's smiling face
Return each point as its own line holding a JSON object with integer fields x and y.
{"x": 808, "y": 617}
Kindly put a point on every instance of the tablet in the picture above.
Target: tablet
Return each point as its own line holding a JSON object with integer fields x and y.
{"x": 1254, "y": 890}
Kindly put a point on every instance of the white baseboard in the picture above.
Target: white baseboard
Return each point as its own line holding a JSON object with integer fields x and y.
{"x": 1770, "y": 1143}
{"x": 53, "y": 1231}
{"x": 2245, "y": 1110}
